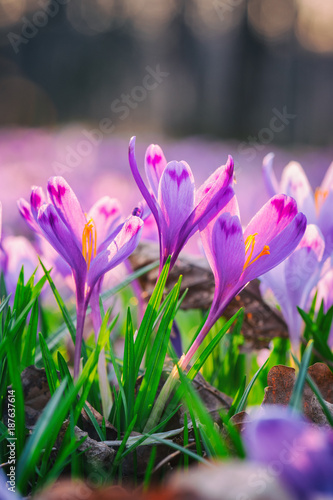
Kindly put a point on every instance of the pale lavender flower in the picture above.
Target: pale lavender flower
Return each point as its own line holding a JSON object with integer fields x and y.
{"x": 317, "y": 205}
{"x": 293, "y": 449}
{"x": 292, "y": 282}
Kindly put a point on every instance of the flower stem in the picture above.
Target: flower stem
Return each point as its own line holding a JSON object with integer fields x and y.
{"x": 80, "y": 319}
{"x": 104, "y": 385}
{"x": 173, "y": 377}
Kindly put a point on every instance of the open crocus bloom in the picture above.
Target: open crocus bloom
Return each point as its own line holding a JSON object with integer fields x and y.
{"x": 294, "y": 449}
{"x": 91, "y": 244}
{"x": 293, "y": 281}
{"x": 176, "y": 205}
{"x": 317, "y": 206}
{"x": 237, "y": 257}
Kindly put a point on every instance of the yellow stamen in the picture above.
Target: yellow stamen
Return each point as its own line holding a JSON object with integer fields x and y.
{"x": 89, "y": 242}
{"x": 320, "y": 196}
{"x": 249, "y": 248}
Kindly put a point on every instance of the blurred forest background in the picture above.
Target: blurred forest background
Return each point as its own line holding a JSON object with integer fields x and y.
{"x": 230, "y": 63}
{"x": 203, "y": 78}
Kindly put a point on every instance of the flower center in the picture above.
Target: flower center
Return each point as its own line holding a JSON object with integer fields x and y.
{"x": 89, "y": 242}
{"x": 320, "y": 196}
{"x": 249, "y": 247}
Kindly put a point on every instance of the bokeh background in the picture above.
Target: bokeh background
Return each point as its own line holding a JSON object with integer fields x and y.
{"x": 203, "y": 78}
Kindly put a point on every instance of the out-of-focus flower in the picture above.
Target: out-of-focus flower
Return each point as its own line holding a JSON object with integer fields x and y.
{"x": 293, "y": 281}
{"x": 17, "y": 252}
{"x": 317, "y": 206}
{"x": 325, "y": 295}
{"x": 237, "y": 257}
{"x": 300, "y": 453}
{"x": 90, "y": 244}
{"x": 175, "y": 204}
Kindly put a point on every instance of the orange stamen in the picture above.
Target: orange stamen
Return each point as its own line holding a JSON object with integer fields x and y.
{"x": 320, "y": 196}
{"x": 249, "y": 248}
{"x": 89, "y": 242}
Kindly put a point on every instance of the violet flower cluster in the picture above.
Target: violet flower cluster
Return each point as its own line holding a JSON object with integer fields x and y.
{"x": 91, "y": 244}
{"x": 294, "y": 282}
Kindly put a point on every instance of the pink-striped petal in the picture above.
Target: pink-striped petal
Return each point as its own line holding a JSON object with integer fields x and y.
{"x": 155, "y": 164}
{"x": 67, "y": 206}
{"x": 151, "y": 202}
{"x": 106, "y": 214}
{"x": 176, "y": 199}
{"x": 25, "y": 211}
{"x": 281, "y": 244}
{"x": 271, "y": 219}
{"x": 61, "y": 238}
{"x": 37, "y": 199}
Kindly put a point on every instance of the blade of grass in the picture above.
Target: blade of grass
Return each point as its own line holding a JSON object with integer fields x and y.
{"x": 49, "y": 365}
{"x": 296, "y": 397}
{"x": 318, "y": 395}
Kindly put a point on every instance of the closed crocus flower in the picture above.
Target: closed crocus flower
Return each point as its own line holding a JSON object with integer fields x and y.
{"x": 176, "y": 205}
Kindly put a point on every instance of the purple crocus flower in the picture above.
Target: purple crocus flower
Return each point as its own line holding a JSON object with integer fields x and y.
{"x": 292, "y": 282}
{"x": 291, "y": 448}
{"x": 176, "y": 205}
{"x": 90, "y": 244}
{"x": 237, "y": 257}
{"x": 317, "y": 206}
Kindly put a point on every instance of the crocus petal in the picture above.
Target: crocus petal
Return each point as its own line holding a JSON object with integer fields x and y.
{"x": 61, "y": 238}
{"x": 295, "y": 183}
{"x": 275, "y": 281}
{"x": 176, "y": 199}
{"x": 138, "y": 179}
{"x": 37, "y": 199}
{"x": 227, "y": 252}
{"x": 25, "y": 210}
{"x": 210, "y": 197}
{"x": 280, "y": 247}
{"x": 325, "y": 222}
{"x": 303, "y": 452}
{"x": 271, "y": 219}
{"x": 155, "y": 163}
{"x": 106, "y": 214}
{"x": 270, "y": 179}
{"x": 67, "y": 206}
{"x": 206, "y": 225}
{"x": 302, "y": 270}
{"x": 123, "y": 245}
{"x": 327, "y": 184}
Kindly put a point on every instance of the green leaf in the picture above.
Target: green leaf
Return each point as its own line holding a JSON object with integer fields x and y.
{"x": 149, "y": 317}
{"x": 49, "y": 365}
{"x": 149, "y": 385}
{"x": 242, "y": 402}
{"x": 64, "y": 311}
{"x": 317, "y": 393}
{"x": 296, "y": 397}
{"x": 28, "y": 355}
